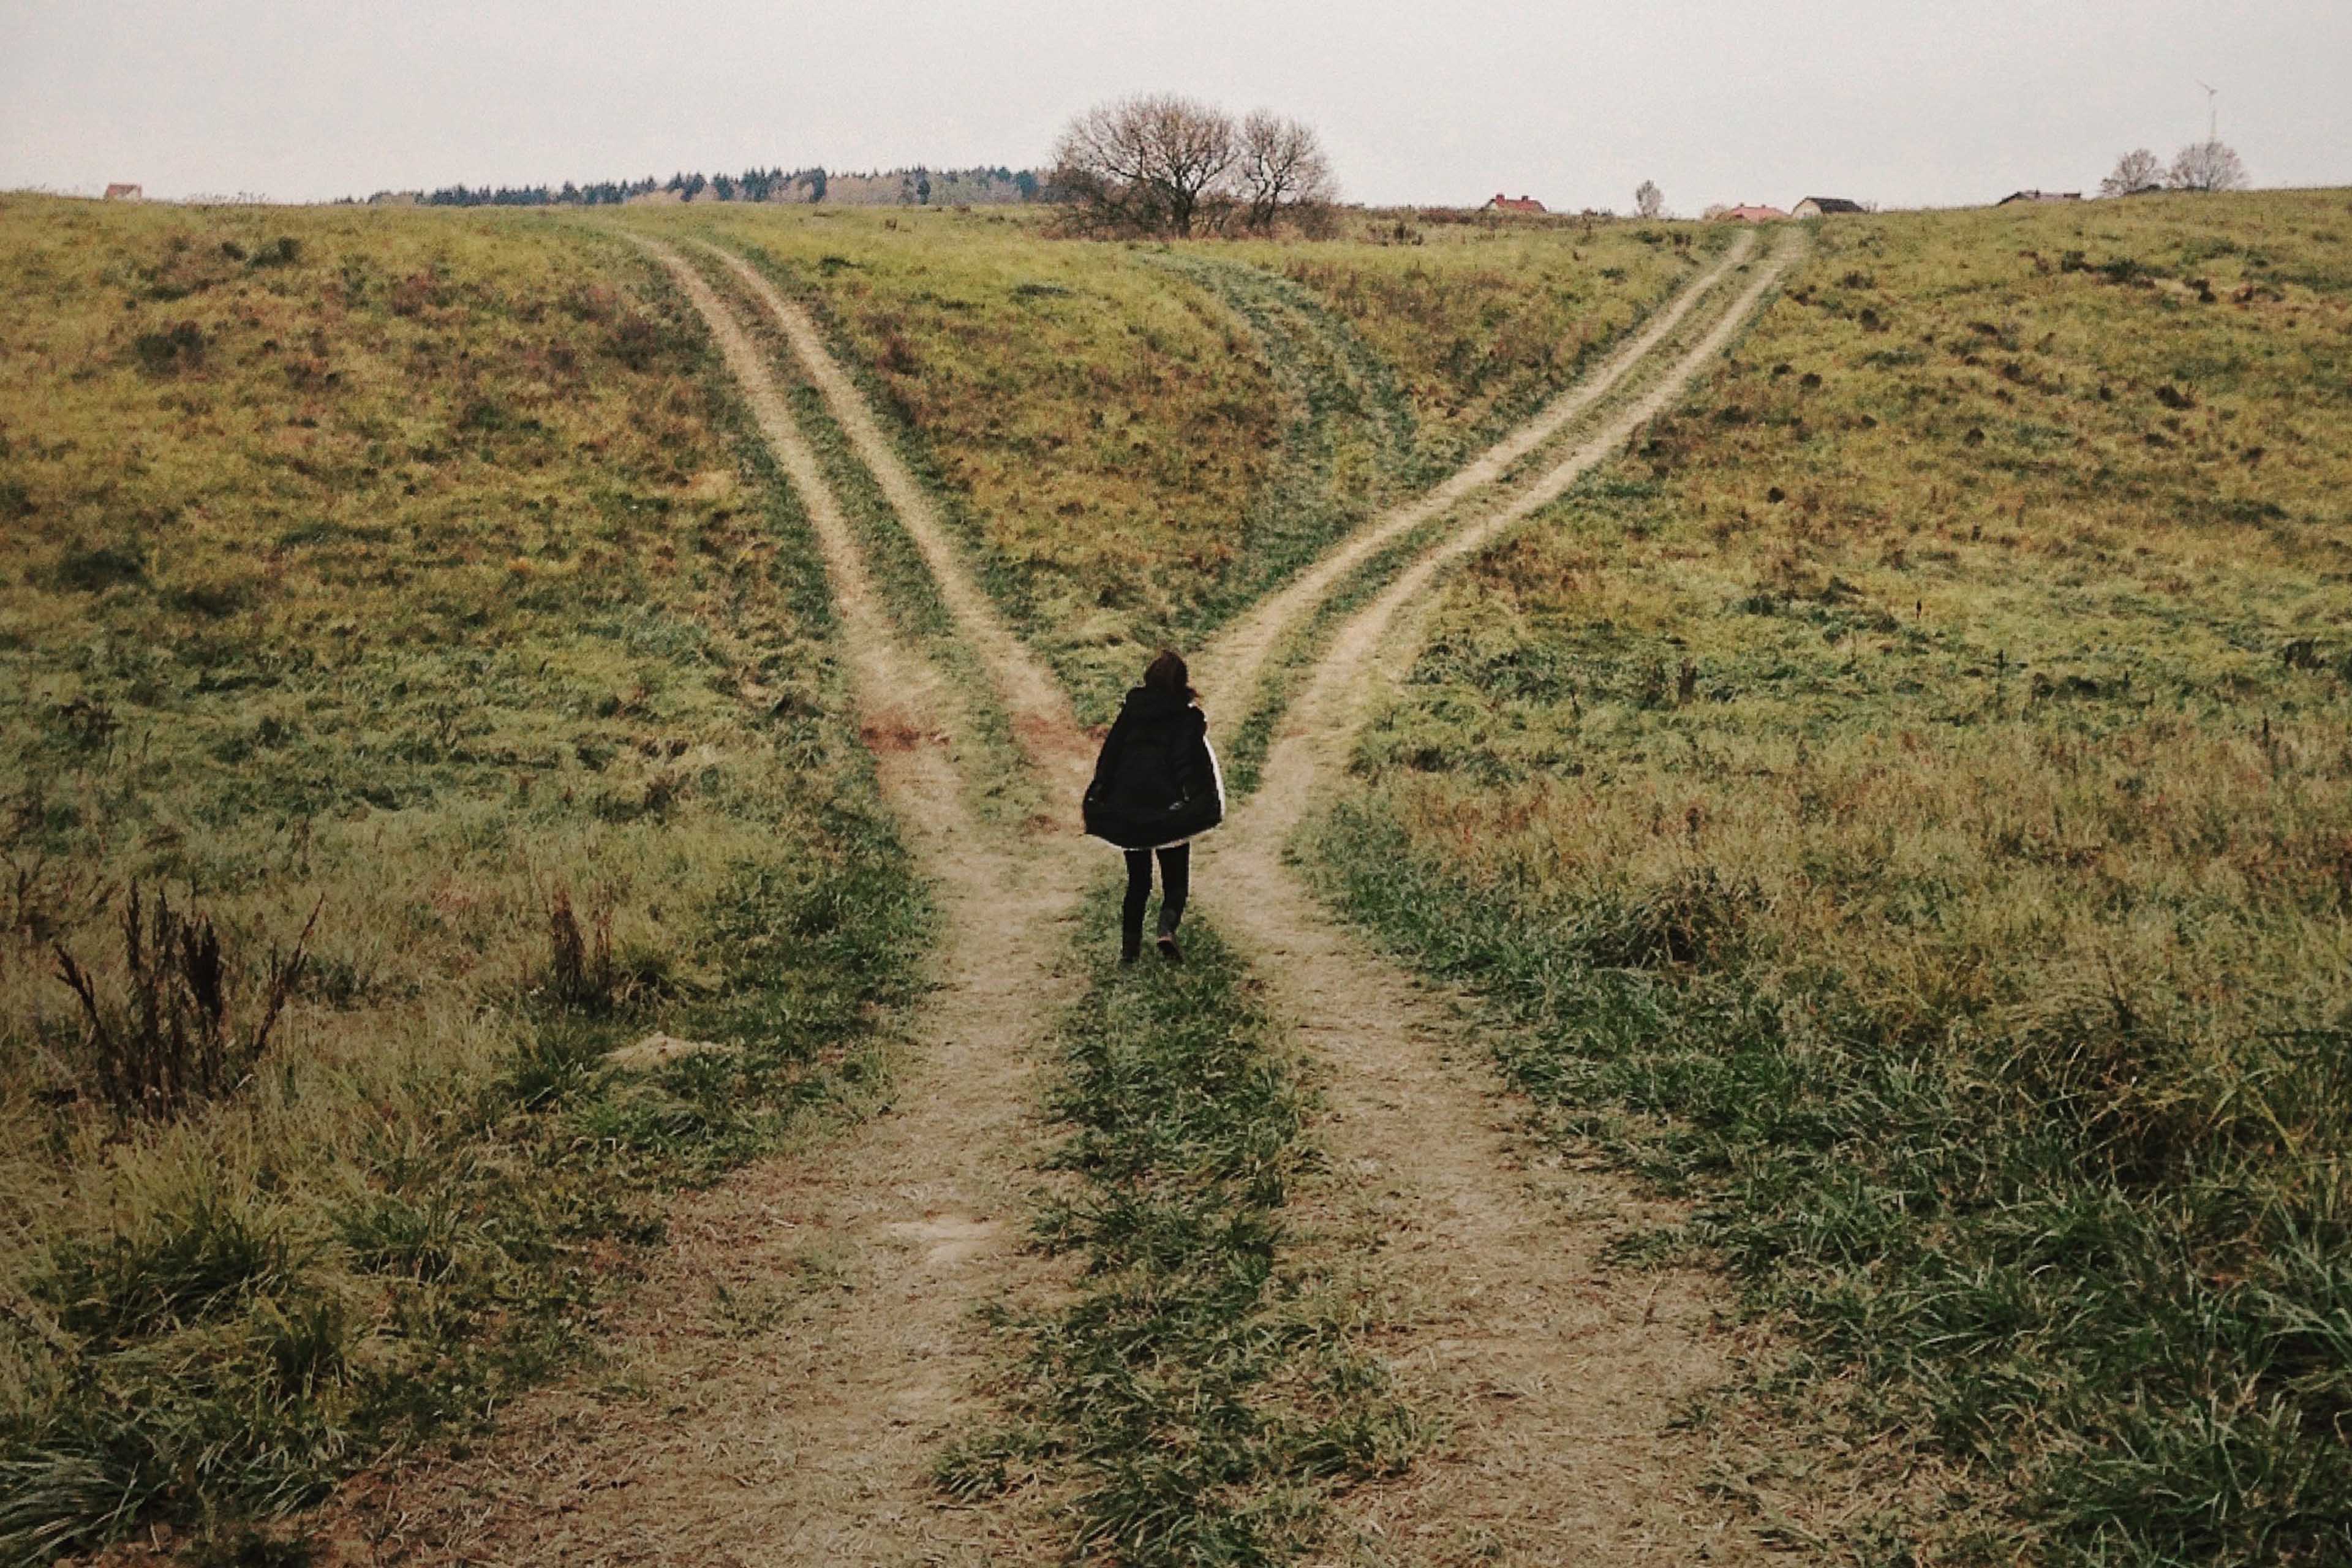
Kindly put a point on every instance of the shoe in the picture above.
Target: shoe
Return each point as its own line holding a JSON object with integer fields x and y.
{"x": 1129, "y": 954}
{"x": 1169, "y": 950}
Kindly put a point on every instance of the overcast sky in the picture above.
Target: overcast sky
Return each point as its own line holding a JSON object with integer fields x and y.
{"x": 1905, "y": 102}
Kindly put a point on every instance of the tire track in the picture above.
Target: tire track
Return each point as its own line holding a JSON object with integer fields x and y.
{"x": 1346, "y": 448}
{"x": 1041, "y": 711}
{"x": 1560, "y": 1380}
{"x": 1233, "y": 663}
{"x": 777, "y": 1388}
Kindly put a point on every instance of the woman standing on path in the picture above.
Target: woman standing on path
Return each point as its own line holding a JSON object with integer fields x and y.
{"x": 1156, "y": 785}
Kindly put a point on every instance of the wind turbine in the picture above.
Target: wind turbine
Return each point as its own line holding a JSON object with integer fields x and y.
{"x": 2213, "y": 113}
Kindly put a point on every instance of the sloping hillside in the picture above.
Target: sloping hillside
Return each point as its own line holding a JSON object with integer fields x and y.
{"x": 404, "y": 567}
{"x": 1116, "y": 427}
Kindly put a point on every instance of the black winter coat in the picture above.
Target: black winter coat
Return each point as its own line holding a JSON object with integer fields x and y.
{"x": 1156, "y": 782}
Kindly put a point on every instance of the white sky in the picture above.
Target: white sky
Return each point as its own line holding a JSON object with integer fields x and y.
{"x": 1907, "y": 102}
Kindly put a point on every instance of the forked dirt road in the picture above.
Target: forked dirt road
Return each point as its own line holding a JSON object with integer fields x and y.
{"x": 777, "y": 1389}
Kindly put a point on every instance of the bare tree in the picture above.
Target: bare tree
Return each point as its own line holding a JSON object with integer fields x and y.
{"x": 1281, "y": 166}
{"x": 2136, "y": 170}
{"x": 2208, "y": 166}
{"x": 1648, "y": 200}
{"x": 1155, "y": 165}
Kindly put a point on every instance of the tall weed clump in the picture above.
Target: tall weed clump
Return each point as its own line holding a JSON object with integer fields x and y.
{"x": 428, "y": 576}
{"x": 172, "y": 1037}
{"x": 1902, "y": 804}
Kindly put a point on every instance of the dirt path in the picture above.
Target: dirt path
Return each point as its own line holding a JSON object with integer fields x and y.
{"x": 1559, "y": 1377}
{"x": 1230, "y": 666}
{"x": 777, "y": 1389}
{"x": 1040, "y": 709}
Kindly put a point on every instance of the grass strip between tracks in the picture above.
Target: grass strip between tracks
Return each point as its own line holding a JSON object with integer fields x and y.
{"x": 1204, "y": 1391}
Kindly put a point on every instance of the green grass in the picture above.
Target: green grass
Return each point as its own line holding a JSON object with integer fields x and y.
{"x": 1902, "y": 804}
{"x": 420, "y": 562}
{"x": 1204, "y": 1391}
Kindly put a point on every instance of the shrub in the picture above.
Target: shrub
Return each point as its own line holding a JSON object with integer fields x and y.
{"x": 580, "y": 973}
{"x": 171, "y": 1038}
{"x": 93, "y": 569}
{"x": 174, "y": 349}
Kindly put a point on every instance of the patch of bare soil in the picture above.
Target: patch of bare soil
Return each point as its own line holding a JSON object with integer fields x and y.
{"x": 1558, "y": 1376}
{"x": 775, "y": 1390}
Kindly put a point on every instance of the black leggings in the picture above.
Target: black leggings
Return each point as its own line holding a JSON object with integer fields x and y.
{"x": 1175, "y": 881}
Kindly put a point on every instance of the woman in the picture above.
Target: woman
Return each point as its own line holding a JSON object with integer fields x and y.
{"x": 1156, "y": 785}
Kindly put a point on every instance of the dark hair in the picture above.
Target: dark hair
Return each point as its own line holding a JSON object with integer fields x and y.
{"x": 1167, "y": 674}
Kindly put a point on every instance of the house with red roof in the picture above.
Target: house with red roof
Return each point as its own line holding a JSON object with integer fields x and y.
{"x": 1503, "y": 204}
{"x": 1746, "y": 213}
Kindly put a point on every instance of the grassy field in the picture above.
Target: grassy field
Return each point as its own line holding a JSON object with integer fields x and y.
{"x": 1902, "y": 802}
{"x": 1137, "y": 439}
{"x": 410, "y": 568}
{"x": 1905, "y": 801}
{"x": 416, "y": 570}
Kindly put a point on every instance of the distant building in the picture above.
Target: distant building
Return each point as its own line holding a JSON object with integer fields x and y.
{"x": 118, "y": 192}
{"x": 1746, "y": 213}
{"x": 1503, "y": 204}
{"x": 2038, "y": 196}
{"x": 1823, "y": 207}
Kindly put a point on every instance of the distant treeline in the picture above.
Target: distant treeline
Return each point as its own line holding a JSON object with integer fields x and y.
{"x": 893, "y": 187}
